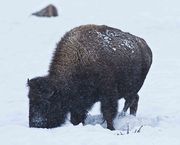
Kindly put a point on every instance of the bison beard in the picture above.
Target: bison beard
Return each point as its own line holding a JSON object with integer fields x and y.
{"x": 91, "y": 63}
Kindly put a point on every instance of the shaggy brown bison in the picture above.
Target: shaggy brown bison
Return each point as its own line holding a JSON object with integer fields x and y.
{"x": 91, "y": 63}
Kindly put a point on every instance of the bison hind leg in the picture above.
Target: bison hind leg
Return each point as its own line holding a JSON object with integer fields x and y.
{"x": 134, "y": 106}
{"x": 132, "y": 103}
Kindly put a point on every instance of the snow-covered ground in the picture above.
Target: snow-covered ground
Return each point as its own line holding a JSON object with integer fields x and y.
{"x": 26, "y": 47}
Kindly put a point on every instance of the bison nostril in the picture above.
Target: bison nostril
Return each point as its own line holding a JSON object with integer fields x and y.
{"x": 38, "y": 122}
{"x": 37, "y": 119}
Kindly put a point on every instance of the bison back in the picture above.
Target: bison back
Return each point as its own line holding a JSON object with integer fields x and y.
{"x": 97, "y": 54}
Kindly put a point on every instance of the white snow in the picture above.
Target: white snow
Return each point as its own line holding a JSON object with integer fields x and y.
{"x": 27, "y": 44}
{"x": 127, "y": 43}
{"x": 106, "y": 39}
{"x": 114, "y": 49}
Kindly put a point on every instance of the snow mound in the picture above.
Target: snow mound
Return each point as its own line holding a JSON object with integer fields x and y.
{"x": 124, "y": 123}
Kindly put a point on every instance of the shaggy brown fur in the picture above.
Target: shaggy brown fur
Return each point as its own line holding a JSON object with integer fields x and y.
{"x": 98, "y": 63}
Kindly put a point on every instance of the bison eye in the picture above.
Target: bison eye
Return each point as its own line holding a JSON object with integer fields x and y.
{"x": 50, "y": 94}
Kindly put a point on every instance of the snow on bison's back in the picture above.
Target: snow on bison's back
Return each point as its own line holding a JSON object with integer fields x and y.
{"x": 96, "y": 63}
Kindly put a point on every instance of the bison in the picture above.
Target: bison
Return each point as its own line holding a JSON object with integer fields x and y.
{"x": 91, "y": 63}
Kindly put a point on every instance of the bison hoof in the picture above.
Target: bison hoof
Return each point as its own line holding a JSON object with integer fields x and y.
{"x": 122, "y": 114}
{"x": 110, "y": 128}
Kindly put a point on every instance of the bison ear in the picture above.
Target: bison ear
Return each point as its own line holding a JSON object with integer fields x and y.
{"x": 29, "y": 83}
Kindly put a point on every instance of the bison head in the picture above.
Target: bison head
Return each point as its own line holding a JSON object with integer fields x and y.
{"x": 47, "y": 109}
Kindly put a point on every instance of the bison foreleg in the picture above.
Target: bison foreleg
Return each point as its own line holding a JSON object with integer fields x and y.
{"x": 109, "y": 111}
{"x": 78, "y": 117}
